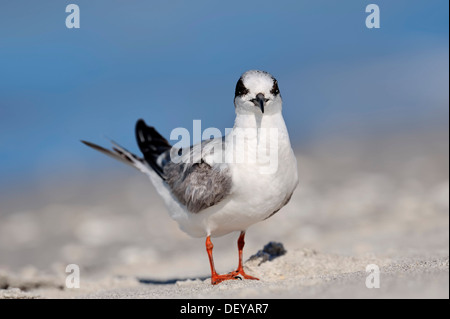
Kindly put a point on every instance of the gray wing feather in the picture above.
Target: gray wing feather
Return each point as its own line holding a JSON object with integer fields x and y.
{"x": 195, "y": 183}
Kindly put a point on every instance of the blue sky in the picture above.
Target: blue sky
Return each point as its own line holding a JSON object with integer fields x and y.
{"x": 170, "y": 62}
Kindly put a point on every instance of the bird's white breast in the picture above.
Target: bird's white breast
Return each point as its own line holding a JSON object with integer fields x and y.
{"x": 261, "y": 185}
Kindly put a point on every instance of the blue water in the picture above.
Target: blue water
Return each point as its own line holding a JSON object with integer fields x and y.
{"x": 170, "y": 62}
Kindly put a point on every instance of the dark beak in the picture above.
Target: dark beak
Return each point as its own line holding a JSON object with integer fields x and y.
{"x": 260, "y": 101}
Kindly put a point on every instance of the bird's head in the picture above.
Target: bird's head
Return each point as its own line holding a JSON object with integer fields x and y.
{"x": 257, "y": 93}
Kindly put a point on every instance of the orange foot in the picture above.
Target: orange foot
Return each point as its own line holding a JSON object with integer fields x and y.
{"x": 241, "y": 272}
{"x": 217, "y": 279}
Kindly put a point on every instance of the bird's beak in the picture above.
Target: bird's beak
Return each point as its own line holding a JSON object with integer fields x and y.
{"x": 260, "y": 101}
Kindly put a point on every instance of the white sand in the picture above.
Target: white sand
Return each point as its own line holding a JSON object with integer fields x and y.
{"x": 377, "y": 202}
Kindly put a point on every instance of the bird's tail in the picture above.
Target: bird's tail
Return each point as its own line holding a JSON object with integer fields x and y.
{"x": 121, "y": 154}
{"x": 153, "y": 146}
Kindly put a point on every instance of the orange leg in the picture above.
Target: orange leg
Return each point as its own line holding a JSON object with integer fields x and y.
{"x": 215, "y": 278}
{"x": 240, "y": 269}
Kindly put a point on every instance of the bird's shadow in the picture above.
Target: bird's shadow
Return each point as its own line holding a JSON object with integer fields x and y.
{"x": 151, "y": 281}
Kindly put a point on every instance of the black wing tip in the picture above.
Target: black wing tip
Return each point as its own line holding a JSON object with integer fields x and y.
{"x": 140, "y": 124}
{"x": 152, "y": 145}
{"x": 141, "y": 127}
{"x": 144, "y": 133}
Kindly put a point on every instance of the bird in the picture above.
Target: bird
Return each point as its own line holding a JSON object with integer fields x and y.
{"x": 223, "y": 184}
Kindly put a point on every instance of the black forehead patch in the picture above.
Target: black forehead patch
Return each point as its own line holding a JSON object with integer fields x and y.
{"x": 240, "y": 88}
{"x": 275, "y": 90}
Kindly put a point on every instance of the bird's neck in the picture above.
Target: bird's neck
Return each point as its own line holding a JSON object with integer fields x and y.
{"x": 259, "y": 121}
{"x": 259, "y": 142}
{"x": 256, "y": 129}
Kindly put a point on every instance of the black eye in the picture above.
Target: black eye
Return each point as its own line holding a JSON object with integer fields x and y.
{"x": 240, "y": 88}
{"x": 275, "y": 90}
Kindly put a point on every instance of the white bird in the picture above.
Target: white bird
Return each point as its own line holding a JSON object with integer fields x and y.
{"x": 224, "y": 184}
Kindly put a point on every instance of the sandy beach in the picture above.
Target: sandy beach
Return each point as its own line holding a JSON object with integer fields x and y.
{"x": 370, "y": 202}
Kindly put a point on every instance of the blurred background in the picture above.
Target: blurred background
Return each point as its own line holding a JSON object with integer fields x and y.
{"x": 367, "y": 111}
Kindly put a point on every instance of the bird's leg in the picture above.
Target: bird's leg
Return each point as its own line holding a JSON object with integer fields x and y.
{"x": 240, "y": 269}
{"x": 215, "y": 277}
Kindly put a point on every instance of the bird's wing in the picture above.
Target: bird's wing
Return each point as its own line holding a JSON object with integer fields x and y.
{"x": 154, "y": 147}
{"x": 195, "y": 179}
{"x": 198, "y": 179}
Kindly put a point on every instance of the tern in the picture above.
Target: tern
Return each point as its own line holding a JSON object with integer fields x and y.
{"x": 224, "y": 184}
